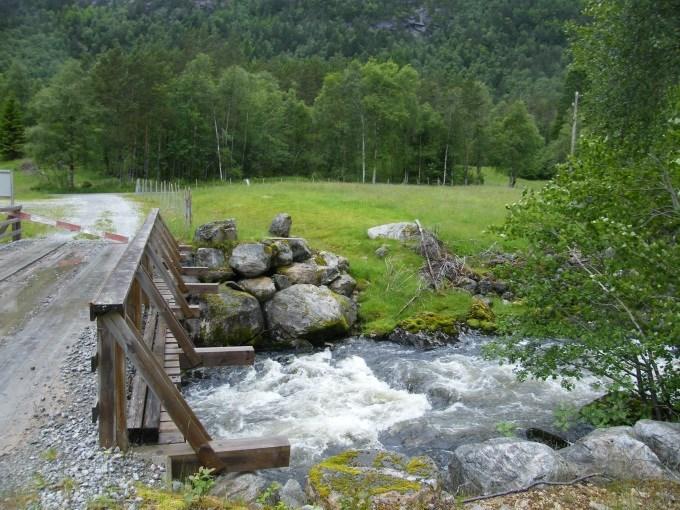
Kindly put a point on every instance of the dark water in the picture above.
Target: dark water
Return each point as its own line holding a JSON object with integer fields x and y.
{"x": 375, "y": 394}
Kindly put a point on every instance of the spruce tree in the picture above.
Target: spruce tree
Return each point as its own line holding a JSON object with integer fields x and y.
{"x": 12, "y": 136}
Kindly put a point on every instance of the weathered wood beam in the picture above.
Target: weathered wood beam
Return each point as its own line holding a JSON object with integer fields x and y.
{"x": 126, "y": 335}
{"x": 202, "y": 288}
{"x": 193, "y": 312}
{"x": 224, "y": 356}
{"x": 106, "y": 390}
{"x": 238, "y": 455}
{"x": 16, "y": 234}
{"x": 194, "y": 270}
{"x": 157, "y": 261}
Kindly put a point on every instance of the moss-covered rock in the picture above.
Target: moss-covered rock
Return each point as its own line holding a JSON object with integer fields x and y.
{"x": 430, "y": 322}
{"x": 373, "y": 479}
{"x": 481, "y": 317}
{"x": 232, "y": 318}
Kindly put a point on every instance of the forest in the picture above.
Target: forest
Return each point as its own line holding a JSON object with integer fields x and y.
{"x": 419, "y": 92}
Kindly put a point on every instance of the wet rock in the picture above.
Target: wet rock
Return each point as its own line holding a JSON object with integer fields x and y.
{"x": 616, "y": 453}
{"x": 239, "y": 487}
{"x": 251, "y": 259}
{"x": 292, "y": 495}
{"x": 280, "y": 226}
{"x": 343, "y": 284}
{"x": 300, "y": 249}
{"x": 210, "y": 257}
{"x": 217, "y": 231}
{"x": 281, "y": 281}
{"x": 502, "y": 464}
{"x": 547, "y": 438}
{"x": 382, "y": 251}
{"x": 232, "y": 318}
{"x": 403, "y": 231}
{"x": 374, "y": 479}
{"x": 262, "y": 288}
{"x": 302, "y": 272}
{"x": 663, "y": 438}
{"x": 308, "y": 312}
{"x": 423, "y": 340}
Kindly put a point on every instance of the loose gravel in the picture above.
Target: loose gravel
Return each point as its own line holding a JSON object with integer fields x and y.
{"x": 62, "y": 465}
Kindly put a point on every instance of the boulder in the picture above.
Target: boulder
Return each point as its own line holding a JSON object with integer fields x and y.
{"x": 382, "y": 251}
{"x": 232, "y": 317}
{"x": 301, "y": 251}
{"x": 616, "y": 453}
{"x": 251, "y": 259}
{"x": 262, "y": 288}
{"x": 327, "y": 258}
{"x": 281, "y": 224}
{"x": 502, "y": 464}
{"x": 217, "y": 231}
{"x": 403, "y": 231}
{"x": 302, "y": 272}
{"x": 423, "y": 340}
{"x": 292, "y": 495}
{"x": 281, "y": 281}
{"x": 308, "y": 312}
{"x": 209, "y": 257}
{"x": 343, "y": 284}
{"x": 663, "y": 438}
{"x": 374, "y": 479}
{"x": 283, "y": 255}
{"x": 467, "y": 283}
{"x": 245, "y": 487}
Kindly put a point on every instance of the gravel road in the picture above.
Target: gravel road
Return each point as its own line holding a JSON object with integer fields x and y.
{"x": 46, "y": 341}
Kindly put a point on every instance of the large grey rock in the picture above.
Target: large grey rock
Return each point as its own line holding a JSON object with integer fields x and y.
{"x": 210, "y": 257}
{"x": 262, "y": 288}
{"x": 343, "y": 284}
{"x": 663, "y": 439}
{"x": 403, "y": 231}
{"x": 332, "y": 260}
{"x": 616, "y": 453}
{"x": 232, "y": 317}
{"x": 217, "y": 231}
{"x": 374, "y": 479}
{"x": 283, "y": 255}
{"x": 244, "y": 487}
{"x": 503, "y": 464}
{"x": 251, "y": 259}
{"x": 300, "y": 249}
{"x": 302, "y": 272}
{"x": 281, "y": 281}
{"x": 292, "y": 495}
{"x": 308, "y": 312}
{"x": 281, "y": 224}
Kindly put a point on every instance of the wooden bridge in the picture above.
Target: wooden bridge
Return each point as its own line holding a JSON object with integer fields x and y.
{"x": 12, "y": 221}
{"x": 139, "y": 312}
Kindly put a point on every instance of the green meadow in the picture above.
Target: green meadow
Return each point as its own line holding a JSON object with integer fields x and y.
{"x": 335, "y": 217}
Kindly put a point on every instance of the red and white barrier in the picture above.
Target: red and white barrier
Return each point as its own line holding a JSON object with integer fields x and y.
{"x": 71, "y": 227}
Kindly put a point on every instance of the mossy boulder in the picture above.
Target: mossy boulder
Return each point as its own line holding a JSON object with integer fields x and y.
{"x": 302, "y": 272}
{"x": 426, "y": 330}
{"x": 216, "y": 232}
{"x": 308, "y": 312}
{"x": 481, "y": 317}
{"x": 262, "y": 287}
{"x": 251, "y": 259}
{"x": 374, "y": 479}
{"x": 232, "y": 317}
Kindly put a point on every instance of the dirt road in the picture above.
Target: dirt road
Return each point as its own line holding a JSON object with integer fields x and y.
{"x": 45, "y": 287}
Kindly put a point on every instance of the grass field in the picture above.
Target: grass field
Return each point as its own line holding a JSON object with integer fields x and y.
{"x": 335, "y": 217}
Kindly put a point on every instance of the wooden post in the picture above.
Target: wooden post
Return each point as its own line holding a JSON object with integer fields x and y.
{"x": 574, "y": 122}
{"x": 105, "y": 354}
{"x": 120, "y": 397}
{"x": 153, "y": 373}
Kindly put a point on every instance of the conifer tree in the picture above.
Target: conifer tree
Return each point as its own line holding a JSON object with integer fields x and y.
{"x": 12, "y": 135}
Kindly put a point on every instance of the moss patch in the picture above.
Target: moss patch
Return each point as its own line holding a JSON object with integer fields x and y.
{"x": 430, "y": 322}
{"x": 481, "y": 317}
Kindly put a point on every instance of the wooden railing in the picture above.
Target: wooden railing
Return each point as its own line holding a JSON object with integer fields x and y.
{"x": 12, "y": 221}
{"x": 131, "y": 292}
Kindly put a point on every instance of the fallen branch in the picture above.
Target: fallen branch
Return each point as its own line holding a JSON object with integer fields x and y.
{"x": 427, "y": 257}
{"x": 531, "y": 486}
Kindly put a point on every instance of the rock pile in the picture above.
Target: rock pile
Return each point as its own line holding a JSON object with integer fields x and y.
{"x": 277, "y": 290}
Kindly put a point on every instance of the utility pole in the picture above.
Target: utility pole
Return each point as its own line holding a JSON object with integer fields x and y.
{"x": 574, "y": 123}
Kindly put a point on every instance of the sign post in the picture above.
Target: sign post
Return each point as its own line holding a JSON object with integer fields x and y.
{"x": 7, "y": 185}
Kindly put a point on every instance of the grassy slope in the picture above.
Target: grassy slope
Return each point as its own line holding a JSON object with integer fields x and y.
{"x": 334, "y": 216}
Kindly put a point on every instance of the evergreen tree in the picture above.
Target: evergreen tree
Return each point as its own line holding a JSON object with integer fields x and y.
{"x": 12, "y": 136}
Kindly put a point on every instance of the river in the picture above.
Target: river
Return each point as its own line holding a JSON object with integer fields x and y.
{"x": 365, "y": 393}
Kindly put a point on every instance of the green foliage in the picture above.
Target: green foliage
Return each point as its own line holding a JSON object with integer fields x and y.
{"x": 430, "y": 322}
{"x": 12, "y": 136}
{"x": 506, "y": 428}
{"x": 199, "y": 484}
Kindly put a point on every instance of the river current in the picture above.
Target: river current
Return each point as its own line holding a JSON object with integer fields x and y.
{"x": 365, "y": 393}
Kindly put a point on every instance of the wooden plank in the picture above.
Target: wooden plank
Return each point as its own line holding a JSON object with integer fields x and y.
{"x": 223, "y": 356}
{"x": 185, "y": 247}
{"x": 120, "y": 397}
{"x": 194, "y": 311}
{"x": 152, "y": 410}
{"x": 166, "y": 438}
{"x": 194, "y": 270}
{"x": 105, "y": 354}
{"x": 238, "y": 455}
{"x": 170, "y": 256}
{"x": 115, "y": 290}
{"x": 127, "y": 337}
{"x": 202, "y": 288}
{"x": 6, "y": 223}
{"x": 170, "y": 284}
{"x": 10, "y": 209}
{"x": 175, "y": 327}
{"x": 139, "y": 395}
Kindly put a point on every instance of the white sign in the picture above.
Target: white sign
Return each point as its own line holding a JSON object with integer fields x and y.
{"x": 7, "y": 185}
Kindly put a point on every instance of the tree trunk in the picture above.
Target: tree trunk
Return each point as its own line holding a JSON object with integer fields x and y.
{"x": 146, "y": 151}
{"x": 512, "y": 179}
{"x": 420, "y": 156}
{"x": 446, "y": 159}
{"x": 363, "y": 149}
{"x": 71, "y": 175}
{"x": 217, "y": 141}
